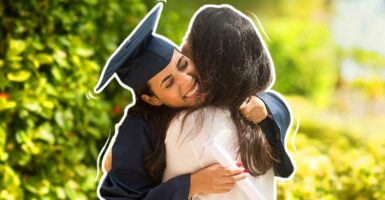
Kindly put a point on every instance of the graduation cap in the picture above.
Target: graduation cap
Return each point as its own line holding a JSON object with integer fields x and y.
{"x": 140, "y": 56}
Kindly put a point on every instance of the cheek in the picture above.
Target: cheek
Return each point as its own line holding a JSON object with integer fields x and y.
{"x": 170, "y": 96}
{"x": 193, "y": 70}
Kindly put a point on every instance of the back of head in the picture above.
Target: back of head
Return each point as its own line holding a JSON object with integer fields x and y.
{"x": 229, "y": 56}
{"x": 233, "y": 65}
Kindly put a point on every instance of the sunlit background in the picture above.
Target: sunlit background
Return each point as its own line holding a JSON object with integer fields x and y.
{"x": 330, "y": 65}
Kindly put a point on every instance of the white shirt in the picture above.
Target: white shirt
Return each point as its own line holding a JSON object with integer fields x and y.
{"x": 186, "y": 153}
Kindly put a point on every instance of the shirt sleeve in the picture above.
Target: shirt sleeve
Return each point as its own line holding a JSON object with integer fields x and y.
{"x": 278, "y": 113}
{"x": 275, "y": 128}
{"x": 127, "y": 178}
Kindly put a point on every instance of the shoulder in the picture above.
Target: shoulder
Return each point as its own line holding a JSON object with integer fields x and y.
{"x": 273, "y": 98}
{"x": 208, "y": 111}
{"x": 132, "y": 120}
{"x": 204, "y": 114}
{"x": 132, "y": 127}
{"x": 271, "y": 95}
{"x": 207, "y": 118}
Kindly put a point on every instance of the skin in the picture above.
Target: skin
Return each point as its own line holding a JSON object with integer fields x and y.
{"x": 175, "y": 86}
{"x": 253, "y": 108}
{"x": 224, "y": 181}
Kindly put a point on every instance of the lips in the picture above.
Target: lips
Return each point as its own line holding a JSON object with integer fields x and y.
{"x": 193, "y": 91}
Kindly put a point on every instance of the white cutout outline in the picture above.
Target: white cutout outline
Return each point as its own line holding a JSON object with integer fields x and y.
{"x": 99, "y": 155}
{"x": 160, "y": 4}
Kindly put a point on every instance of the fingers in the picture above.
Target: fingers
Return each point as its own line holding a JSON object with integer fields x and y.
{"x": 239, "y": 177}
{"x": 216, "y": 179}
{"x": 224, "y": 171}
{"x": 108, "y": 161}
{"x": 234, "y": 175}
{"x": 254, "y": 110}
{"x": 255, "y": 117}
{"x": 232, "y": 172}
{"x": 226, "y": 187}
{"x": 245, "y": 108}
{"x": 248, "y": 105}
{"x": 234, "y": 178}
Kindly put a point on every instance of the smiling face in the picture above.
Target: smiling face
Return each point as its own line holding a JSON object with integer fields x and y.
{"x": 176, "y": 85}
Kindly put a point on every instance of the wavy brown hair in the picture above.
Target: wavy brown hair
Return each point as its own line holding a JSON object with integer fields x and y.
{"x": 233, "y": 65}
{"x": 157, "y": 118}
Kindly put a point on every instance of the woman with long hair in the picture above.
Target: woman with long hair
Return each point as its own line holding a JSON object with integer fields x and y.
{"x": 138, "y": 151}
{"x": 233, "y": 64}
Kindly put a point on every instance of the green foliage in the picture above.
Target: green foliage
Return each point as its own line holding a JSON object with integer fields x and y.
{"x": 304, "y": 57}
{"x": 334, "y": 158}
{"x": 51, "y": 54}
{"x": 336, "y": 170}
{"x": 372, "y": 89}
{"x": 366, "y": 58}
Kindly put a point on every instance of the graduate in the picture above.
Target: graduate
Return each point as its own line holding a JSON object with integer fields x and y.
{"x": 163, "y": 81}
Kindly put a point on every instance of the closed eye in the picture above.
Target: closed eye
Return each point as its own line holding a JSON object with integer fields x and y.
{"x": 169, "y": 83}
{"x": 182, "y": 64}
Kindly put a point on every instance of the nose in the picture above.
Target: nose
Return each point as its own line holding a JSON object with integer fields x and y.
{"x": 185, "y": 78}
{"x": 184, "y": 81}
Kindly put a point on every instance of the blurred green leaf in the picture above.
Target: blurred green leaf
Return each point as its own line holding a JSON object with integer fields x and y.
{"x": 44, "y": 132}
{"x": 5, "y": 104}
{"x": 52, "y": 133}
{"x": 56, "y": 73}
{"x": 84, "y": 52}
{"x": 3, "y": 139}
{"x": 19, "y": 76}
{"x": 16, "y": 47}
{"x": 10, "y": 177}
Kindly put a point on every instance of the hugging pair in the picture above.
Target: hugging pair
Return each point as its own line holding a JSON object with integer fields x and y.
{"x": 211, "y": 91}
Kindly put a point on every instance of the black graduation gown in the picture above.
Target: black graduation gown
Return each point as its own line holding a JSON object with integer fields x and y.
{"x": 275, "y": 128}
{"x": 127, "y": 178}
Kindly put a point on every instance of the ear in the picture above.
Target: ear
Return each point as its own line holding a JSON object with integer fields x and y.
{"x": 152, "y": 100}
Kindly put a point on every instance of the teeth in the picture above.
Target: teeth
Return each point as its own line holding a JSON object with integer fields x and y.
{"x": 193, "y": 91}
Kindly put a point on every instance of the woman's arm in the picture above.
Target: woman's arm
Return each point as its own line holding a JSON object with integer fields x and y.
{"x": 254, "y": 109}
{"x": 267, "y": 104}
{"x": 214, "y": 179}
{"x": 269, "y": 110}
{"x": 278, "y": 111}
{"x": 275, "y": 128}
{"x": 211, "y": 179}
{"x": 126, "y": 176}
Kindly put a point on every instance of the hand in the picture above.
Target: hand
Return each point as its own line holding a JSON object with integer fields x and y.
{"x": 215, "y": 179}
{"x": 253, "y": 109}
{"x": 107, "y": 162}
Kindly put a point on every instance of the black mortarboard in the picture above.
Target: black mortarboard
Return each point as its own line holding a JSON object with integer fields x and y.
{"x": 140, "y": 56}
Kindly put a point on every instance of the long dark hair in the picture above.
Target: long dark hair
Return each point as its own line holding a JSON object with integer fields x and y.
{"x": 157, "y": 118}
{"x": 233, "y": 65}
